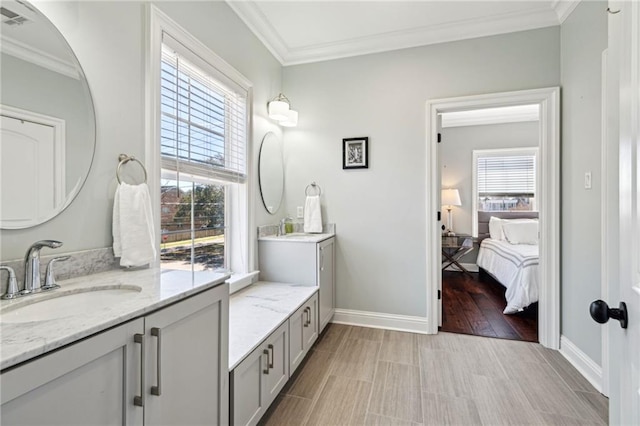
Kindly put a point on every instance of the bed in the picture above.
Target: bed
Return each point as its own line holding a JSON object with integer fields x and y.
{"x": 513, "y": 264}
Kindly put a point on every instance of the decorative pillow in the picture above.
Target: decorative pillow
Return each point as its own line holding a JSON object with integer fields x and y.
{"x": 495, "y": 228}
{"x": 521, "y": 231}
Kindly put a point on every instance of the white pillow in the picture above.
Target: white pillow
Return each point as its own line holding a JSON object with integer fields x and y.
{"x": 521, "y": 232}
{"x": 495, "y": 228}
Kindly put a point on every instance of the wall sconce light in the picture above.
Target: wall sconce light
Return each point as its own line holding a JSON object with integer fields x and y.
{"x": 280, "y": 110}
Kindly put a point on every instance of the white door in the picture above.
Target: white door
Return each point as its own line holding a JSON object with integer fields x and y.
{"x": 27, "y": 170}
{"x": 624, "y": 283}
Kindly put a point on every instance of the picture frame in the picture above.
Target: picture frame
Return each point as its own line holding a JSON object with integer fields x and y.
{"x": 355, "y": 153}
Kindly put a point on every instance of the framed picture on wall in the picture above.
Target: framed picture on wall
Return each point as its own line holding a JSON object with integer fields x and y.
{"x": 355, "y": 153}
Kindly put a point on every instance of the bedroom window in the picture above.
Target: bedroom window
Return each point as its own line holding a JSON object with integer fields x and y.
{"x": 504, "y": 180}
{"x": 203, "y": 138}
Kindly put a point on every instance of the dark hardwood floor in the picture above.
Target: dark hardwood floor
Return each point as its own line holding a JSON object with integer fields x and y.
{"x": 474, "y": 306}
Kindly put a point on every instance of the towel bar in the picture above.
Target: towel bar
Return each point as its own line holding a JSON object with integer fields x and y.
{"x": 315, "y": 186}
{"x": 124, "y": 158}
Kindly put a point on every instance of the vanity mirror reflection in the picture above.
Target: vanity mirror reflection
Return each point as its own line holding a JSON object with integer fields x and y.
{"x": 271, "y": 172}
{"x": 47, "y": 134}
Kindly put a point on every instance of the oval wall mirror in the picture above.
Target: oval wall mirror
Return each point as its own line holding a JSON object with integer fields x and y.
{"x": 47, "y": 138}
{"x": 271, "y": 172}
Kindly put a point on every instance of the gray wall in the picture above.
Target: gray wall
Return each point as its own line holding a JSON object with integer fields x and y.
{"x": 380, "y": 211}
{"x": 456, "y": 159}
{"x": 108, "y": 39}
{"x": 583, "y": 38}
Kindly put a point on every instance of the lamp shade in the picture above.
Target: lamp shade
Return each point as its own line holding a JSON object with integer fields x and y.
{"x": 292, "y": 119}
{"x": 450, "y": 197}
{"x": 278, "y": 110}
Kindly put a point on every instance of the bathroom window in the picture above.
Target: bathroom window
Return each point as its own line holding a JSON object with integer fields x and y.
{"x": 504, "y": 180}
{"x": 203, "y": 139}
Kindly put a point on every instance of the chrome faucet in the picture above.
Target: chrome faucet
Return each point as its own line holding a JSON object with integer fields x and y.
{"x": 32, "y": 282}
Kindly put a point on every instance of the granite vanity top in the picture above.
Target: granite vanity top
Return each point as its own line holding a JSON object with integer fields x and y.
{"x": 299, "y": 237}
{"x": 24, "y": 340}
{"x": 257, "y": 311}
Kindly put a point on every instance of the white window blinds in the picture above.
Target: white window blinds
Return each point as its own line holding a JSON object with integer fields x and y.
{"x": 507, "y": 175}
{"x": 203, "y": 119}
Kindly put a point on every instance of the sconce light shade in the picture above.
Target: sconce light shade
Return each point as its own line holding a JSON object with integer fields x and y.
{"x": 279, "y": 108}
{"x": 292, "y": 119}
{"x": 450, "y": 197}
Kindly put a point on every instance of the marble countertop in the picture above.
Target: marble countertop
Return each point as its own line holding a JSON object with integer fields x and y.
{"x": 299, "y": 237}
{"x": 257, "y": 311}
{"x": 21, "y": 341}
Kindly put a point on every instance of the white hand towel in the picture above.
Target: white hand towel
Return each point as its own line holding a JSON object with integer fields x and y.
{"x": 133, "y": 233}
{"x": 312, "y": 215}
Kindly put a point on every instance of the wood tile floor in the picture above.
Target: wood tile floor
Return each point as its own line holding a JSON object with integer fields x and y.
{"x": 474, "y": 305}
{"x": 364, "y": 376}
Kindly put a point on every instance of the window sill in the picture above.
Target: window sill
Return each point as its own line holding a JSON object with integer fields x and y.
{"x": 239, "y": 281}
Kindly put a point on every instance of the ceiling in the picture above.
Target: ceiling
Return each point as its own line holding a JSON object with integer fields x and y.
{"x": 303, "y": 31}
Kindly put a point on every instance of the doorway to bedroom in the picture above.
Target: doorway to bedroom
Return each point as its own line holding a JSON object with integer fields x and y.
{"x": 547, "y": 178}
{"x": 488, "y": 166}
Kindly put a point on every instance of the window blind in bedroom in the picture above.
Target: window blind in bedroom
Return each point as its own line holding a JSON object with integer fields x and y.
{"x": 506, "y": 175}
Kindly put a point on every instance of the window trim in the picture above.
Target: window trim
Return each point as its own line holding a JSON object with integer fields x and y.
{"x": 157, "y": 24}
{"x": 502, "y": 152}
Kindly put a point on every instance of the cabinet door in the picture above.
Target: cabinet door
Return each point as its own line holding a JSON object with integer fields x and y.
{"x": 92, "y": 382}
{"x": 277, "y": 352}
{"x": 297, "y": 337}
{"x": 187, "y": 361}
{"x": 247, "y": 389}
{"x": 310, "y": 325}
{"x": 326, "y": 280}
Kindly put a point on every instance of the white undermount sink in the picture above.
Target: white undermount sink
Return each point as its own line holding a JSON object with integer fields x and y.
{"x": 62, "y": 304}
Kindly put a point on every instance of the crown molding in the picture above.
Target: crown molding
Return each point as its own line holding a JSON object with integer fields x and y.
{"x": 38, "y": 57}
{"x": 563, "y": 8}
{"x": 252, "y": 16}
{"x": 258, "y": 23}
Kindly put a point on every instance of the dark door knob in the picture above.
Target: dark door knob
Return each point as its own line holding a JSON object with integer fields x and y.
{"x": 601, "y": 312}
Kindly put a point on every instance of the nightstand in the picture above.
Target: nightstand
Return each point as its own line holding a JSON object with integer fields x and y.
{"x": 454, "y": 248}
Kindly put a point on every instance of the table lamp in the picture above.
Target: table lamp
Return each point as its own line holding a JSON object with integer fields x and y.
{"x": 450, "y": 198}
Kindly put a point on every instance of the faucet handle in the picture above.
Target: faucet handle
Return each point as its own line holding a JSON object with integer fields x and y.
{"x": 12, "y": 287}
{"x": 50, "y": 280}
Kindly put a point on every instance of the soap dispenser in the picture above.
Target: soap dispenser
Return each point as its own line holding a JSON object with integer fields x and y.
{"x": 288, "y": 225}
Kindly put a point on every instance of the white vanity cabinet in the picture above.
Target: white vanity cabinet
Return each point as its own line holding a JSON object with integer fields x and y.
{"x": 94, "y": 381}
{"x": 302, "y": 261}
{"x": 258, "y": 379}
{"x": 303, "y": 332}
{"x": 169, "y": 367}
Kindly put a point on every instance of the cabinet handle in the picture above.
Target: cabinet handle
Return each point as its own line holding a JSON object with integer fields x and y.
{"x": 307, "y": 320}
{"x": 157, "y": 390}
{"x": 138, "y": 400}
{"x": 266, "y": 352}
{"x": 271, "y": 350}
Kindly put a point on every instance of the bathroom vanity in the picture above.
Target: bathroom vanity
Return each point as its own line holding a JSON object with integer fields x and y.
{"x": 158, "y": 356}
{"x": 304, "y": 259}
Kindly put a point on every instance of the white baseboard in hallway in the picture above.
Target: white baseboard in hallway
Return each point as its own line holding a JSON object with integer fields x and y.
{"x": 379, "y": 320}
{"x": 585, "y": 365}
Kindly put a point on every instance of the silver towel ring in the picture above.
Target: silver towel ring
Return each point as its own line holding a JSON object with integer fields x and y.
{"x": 124, "y": 158}
{"x": 315, "y": 186}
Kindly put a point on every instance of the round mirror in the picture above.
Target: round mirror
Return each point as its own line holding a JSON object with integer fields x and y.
{"x": 47, "y": 135}
{"x": 271, "y": 172}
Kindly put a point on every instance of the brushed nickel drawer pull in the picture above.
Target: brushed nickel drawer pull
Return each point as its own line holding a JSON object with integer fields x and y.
{"x": 157, "y": 390}
{"x": 138, "y": 400}
{"x": 271, "y": 350}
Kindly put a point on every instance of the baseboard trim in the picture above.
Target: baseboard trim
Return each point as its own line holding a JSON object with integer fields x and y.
{"x": 379, "y": 320}
{"x": 585, "y": 365}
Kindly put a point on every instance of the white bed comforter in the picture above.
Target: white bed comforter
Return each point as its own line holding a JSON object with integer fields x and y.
{"x": 516, "y": 267}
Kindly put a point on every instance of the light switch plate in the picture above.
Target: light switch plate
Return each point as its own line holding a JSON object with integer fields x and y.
{"x": 300, "y": 212}
{"x": 587, "y": 180}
